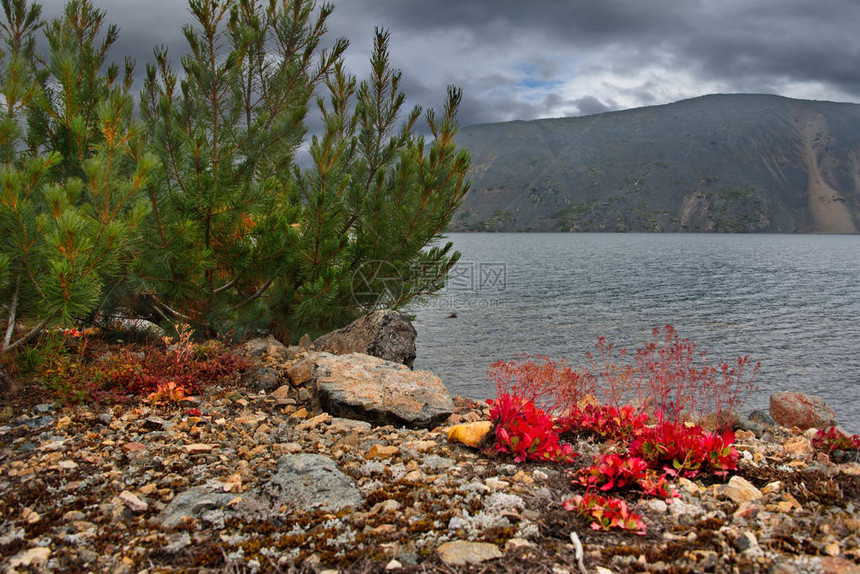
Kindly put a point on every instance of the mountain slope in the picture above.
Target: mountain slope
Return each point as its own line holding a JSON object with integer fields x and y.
{"x": 730, "y": 163}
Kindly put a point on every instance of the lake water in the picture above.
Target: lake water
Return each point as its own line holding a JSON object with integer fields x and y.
{"x": 789, "y": 301}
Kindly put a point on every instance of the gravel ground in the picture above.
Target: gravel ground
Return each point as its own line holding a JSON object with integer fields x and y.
{"x": 260, "y": 483}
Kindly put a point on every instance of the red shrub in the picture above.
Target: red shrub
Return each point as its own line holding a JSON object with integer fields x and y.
{"x": 686, "y": 450}
{"x": 605, "y": 513}
{"x": 671, "y": 379}
{"x": 160, "y": 374}
{"x": 656, "y": 485}
{"x": 831, "y": 439}
{"x": 526, "y": 432}
{"x": 551, "y": 385}
{"x": 612, "y": 471}
{"x": 605, "y": 421}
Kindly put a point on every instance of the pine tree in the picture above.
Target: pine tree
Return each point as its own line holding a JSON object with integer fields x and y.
{"x": 241, "y": 238}
{"x": 218, "y": 224}
{"x": 73, "y": 170}
{"x": 227, "y": 135}
{"x": 376, "y": 200}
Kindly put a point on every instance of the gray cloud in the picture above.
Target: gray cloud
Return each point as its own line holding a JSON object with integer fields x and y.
{"x": 548, "y": 58}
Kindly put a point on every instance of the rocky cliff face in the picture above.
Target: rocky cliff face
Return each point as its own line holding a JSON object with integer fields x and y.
{"x": 721, "y": 163}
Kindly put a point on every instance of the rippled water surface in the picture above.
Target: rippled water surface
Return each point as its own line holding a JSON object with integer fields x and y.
{"x": 790, "y": 301}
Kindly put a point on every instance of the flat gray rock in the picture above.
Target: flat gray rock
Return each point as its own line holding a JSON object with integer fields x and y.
{"x": 193, "y": 503}
{"x": 362, "y": 387}
{"x": 311, "y": 481}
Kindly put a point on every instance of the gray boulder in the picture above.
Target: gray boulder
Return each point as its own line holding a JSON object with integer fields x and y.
{"x": 264, "y": 379}
{"x": 310, "y": 481}
{"x": 385, "y": 334}
{"x": 258, "y": 348}
{"x": 307, "y": 481}
{"x": 381, "y": 392}
{"x": 762, "y": 417}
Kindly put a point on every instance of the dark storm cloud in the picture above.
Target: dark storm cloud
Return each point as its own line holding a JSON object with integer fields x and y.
{"x": 548, "y": 58}
{"x": 143, "y": 25}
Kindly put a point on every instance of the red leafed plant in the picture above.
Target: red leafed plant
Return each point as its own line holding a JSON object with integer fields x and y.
{"x": 526, "y": 431}
{"x": 831, "y": 439}
{"x": 612, "y": 471}
{"x": 553, "y": 386}
{"x": 668, "y": 379}
{"x": 684, "y": 450}
{"x": 606, "y": 421}
{"x": 605, "y": 513}
{"x": 675, "y": 380}
{"x": 656, "y": 485}
{"x": 163, "y": 375}
{"x": 538, "y": 398}
{"x": 615, "y": 472}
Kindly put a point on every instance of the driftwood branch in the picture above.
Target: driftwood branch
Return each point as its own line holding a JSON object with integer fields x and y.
{"x": 32, "y": 333}
{"x": 13, "y": 309}
{"x": 169, "y": 310}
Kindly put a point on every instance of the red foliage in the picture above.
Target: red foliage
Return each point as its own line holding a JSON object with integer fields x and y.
{"x": 675, "y": 380}
{"x": 162, "y": 375}
{"x": 615, "y": 472}
{"x": 656, "y": 485}
{"x": 606, "y": 421}
{"x": 828, "y": 440}
{"x": 551, "y": 385}
{"x": 612, "y": 471}
{"x": 668, "y": 379}
{"x": 686, "y": 450}
{"x": 526, "y": 431}
{"x": 605, "y": 513}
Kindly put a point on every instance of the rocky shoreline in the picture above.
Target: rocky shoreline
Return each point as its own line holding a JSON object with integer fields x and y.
{"x": 255, "y": 476}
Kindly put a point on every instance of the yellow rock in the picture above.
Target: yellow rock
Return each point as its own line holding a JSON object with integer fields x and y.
{"x": 798, "y": 446}
{"x": 772, "y": 487}
{"x": 521, "y": 476}
{"x": 381, "y": 451}
{"x": 470, "y": 434}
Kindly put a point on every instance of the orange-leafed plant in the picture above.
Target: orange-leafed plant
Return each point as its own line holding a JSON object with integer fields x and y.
{"x": 167, "y": 393}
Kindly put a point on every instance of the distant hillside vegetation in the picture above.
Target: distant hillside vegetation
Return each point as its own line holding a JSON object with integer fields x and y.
{"x": 720, "y": 163}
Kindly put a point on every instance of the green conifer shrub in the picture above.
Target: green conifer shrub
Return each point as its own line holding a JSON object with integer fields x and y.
{"x": 195, "y": 209}
{"x": 239, "y": 237}
{"x": 73, "y": 169}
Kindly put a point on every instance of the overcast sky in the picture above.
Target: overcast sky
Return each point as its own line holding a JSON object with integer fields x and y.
{"x": 518, "y": 59}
